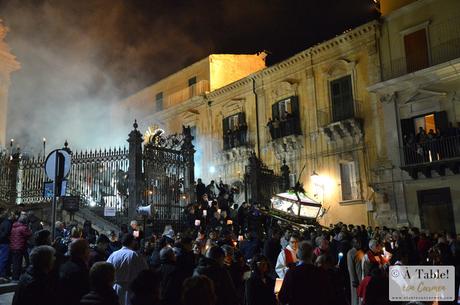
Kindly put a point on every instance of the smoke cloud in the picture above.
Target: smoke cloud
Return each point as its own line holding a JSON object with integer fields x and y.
{"x": 79, "y": 58}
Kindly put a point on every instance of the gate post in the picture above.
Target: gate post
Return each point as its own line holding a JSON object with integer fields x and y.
{"x": 135, "y": 180}
{"x": 285, "y": 176}
{"x": 14, "y": 185}
{"x": 252, "y": 178}
{"x": 188, "y": 152}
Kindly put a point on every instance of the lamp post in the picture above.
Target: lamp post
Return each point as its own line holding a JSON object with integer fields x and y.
{"x": 44, "y": 147}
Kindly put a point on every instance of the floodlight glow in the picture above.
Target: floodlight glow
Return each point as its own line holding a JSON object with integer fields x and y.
{"x": 212, "y": 169}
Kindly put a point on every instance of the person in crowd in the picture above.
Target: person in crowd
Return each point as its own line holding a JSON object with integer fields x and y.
{"x": 198, "y": 290}
{"x": 373, "y": 289}
{"x": 114, "y": 243}
{"x": 259, "y": 288}
{"x": 101, "y": 278}
{"x": 34, "y": 222}
{"x": 19, "y": 235}
{"x": 272, "y": 248}
{"x": 35, "y": 286}
{"x": 98, "y": 253}
{"x": 287, "y": 257}
{"x": 335, "y": 278}
{"x": 354, "y": 258}
{"x": 372, "y": 257}
{"x": 200, "y": 188}
{"x": 171, "y": 279}
{"x": 42, "y": 238}
{"x": 6, "y": 223}
{"x": 305, "y": 280}
{"x": 145, "y": 288}
{"x": 135, "y": 230}
{"x": 322, "y": 247}
{"x": 73, "y": 275}
{"x": 88, "y": 232}
{"x": 128, "y": 264}
{"x": 213, "y": 267}
{"x": 251, "y": 246}
{"x": 211, "y": 190}
{"x": 154, "y": 259}
{"x": 59, "y": 229}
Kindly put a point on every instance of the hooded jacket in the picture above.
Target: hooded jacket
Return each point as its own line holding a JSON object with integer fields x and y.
{"x": 20, "y": 233}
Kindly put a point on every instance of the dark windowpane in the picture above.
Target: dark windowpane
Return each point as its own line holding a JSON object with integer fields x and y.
{"x": 192, "y": 81}
{"x": 342, "y": 99}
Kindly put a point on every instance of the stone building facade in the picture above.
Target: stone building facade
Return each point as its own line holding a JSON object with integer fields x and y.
{"x": 8, "y": 64}
{"x": 312, "y": 110}
{"x": 420, "y": 60}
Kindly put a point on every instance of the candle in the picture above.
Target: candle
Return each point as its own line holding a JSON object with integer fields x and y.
{"x": 278, "y": 284}
{"x": 205, "y": 212}
{"x": 219, "y": 210}
{"x": 197, "y": 222}
{"x": 240, "y": 237}
{"x": 392, "y": 245}
{"x": 229, "y": 222}
{"x": 11, "y": 142}
{"x": 340, "y": 257}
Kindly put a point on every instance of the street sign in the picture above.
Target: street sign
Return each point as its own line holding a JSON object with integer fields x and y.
{"x": 48, "y": 189}
{"x": 110, "y": 212}
{"x": 71, "y": 203}
{"x": 63, "y": 164}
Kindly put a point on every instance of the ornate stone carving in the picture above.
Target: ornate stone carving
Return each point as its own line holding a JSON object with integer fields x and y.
{"x": 285, "y": 89}
{"x": 340, "y": 67}
{"x": 286, "y": 147}
{"x": 349, "y": 128}
{"x": 236, "y": 154}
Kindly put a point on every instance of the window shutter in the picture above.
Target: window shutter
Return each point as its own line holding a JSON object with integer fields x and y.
{"x": 407, "y": 127}
{"x": 416, "y": 48}
{"x": 440, "y": 120}
{"x": 275, "y": 111}
{"x": 296, "y": 114}
{"x": 241, "y": 118}
{"x": 347, "y": 98}
{"x": 345, "y": 181}
{"x": 225, "y": 125}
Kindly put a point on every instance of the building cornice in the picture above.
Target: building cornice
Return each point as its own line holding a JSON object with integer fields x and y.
{"x": 441, "y": 72}
{"x": 407, "y": 9}
{"x": 321, "y": 50}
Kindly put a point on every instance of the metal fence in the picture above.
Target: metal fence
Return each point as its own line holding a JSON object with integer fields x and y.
{"x": 160, "y": 174}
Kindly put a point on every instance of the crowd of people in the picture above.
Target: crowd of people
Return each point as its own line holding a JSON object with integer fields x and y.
{"x": 236, "y": 136}
{"x": 432, "y": 145}
{"x": 284, "y": 125}
{"x": 228, "y": 255}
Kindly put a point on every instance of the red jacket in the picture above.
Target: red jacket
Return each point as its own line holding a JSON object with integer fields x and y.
{"x": 20, "y": 233}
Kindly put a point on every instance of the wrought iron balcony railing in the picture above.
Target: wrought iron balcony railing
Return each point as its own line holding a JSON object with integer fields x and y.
{"x": 432, "y": 151}
{"x": 444, "y": 45}
{"x": 284, "y": 128}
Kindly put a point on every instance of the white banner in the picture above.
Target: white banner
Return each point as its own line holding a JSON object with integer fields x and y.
{"x": 422, "y": 283}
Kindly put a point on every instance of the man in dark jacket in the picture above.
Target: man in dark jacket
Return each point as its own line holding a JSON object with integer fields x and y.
{"x": 99, "y": 252}
{"x": 200, "y": 189}
{"x": 6, "y": 222}
{"x": 171, "y": 281}
{"x": 305, "y": 284}
{"x": 73, "y": 274}
{"x": 35, "y": 286}
{"x": 101, "y": 278}
{"x": 272, "y": 248}
{"x": 213, "y": 267}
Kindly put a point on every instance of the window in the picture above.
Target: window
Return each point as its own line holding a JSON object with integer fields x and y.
{"x": 348, "y": 181}
{"x": 285, "y": 118}
{"x": 159, "y": 101}
{"x": 192, "y": 81}
{"x": 434, "y": 120}
{"x": 416, "y": 50}
{"x": 342, "y": 99}
{"x": 234, "y": 130}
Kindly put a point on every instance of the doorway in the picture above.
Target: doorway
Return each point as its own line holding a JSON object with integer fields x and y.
{"x": 436, "y": 211}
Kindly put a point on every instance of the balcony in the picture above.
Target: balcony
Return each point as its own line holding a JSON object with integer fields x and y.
{"x": 444, "y": 45}
{"x": 236, "y": 138}
{"x": 434, "y": 155}
{"x": 339, "y": 126}
{"x": 283, "y": 128}
{"x": 186, "y": 93}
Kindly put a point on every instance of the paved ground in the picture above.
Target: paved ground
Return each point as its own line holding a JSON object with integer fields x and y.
{"x": 6, "y": 298}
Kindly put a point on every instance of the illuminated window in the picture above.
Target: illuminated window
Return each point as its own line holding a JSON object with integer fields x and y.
{"x": 159, "y": 101}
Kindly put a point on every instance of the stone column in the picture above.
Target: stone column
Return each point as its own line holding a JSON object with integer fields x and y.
{"x": 135, "y": 176}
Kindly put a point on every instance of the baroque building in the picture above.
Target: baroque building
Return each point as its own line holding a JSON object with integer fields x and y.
{"x": 8, "y": 64}
{"x": 418, "y": 169}
{"x": 312, "y": 111}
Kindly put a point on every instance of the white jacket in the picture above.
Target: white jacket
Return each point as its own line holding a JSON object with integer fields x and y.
{"x": 281, "y": 267}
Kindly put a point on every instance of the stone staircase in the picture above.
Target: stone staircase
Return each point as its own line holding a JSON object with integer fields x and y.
{"x": 99, "y": 223}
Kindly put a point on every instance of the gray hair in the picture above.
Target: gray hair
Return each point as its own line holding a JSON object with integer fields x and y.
{"x": 41, "y": 257}
{"x": 373, "y": 243}
{"x": 305, "y": 251}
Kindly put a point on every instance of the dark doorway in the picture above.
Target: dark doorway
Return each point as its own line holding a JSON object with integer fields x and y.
{"x": 436, "y": 212}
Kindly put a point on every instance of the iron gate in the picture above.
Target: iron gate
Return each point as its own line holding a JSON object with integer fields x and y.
{"x": 261, "y": 183}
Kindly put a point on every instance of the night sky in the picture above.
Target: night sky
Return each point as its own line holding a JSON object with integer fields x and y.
{"x": 86, "y": 55}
